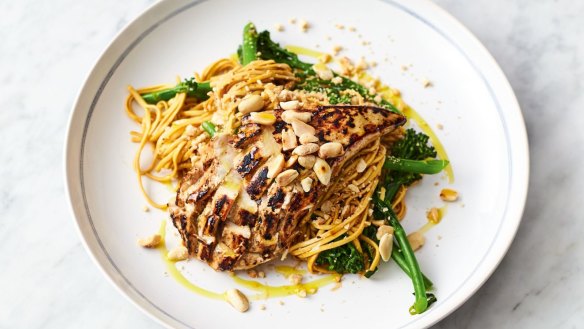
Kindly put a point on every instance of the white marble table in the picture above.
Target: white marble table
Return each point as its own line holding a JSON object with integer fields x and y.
{"x": 48, "y": 281}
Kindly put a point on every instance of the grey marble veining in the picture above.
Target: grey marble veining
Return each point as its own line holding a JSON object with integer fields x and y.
{"x": 48, "y": 281}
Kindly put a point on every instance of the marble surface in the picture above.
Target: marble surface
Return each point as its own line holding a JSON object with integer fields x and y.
{"x": 48, "y": 281}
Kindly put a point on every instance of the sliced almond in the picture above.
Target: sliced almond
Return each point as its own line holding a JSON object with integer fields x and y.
{"x": 386, "y": 246}
{"x": 302, "y": 128}
{"x": 383, "y": 229}
{"x": 276, "y": 165}
{"x": 307, "y": 161}
{"x": 250, "y": 104}
{"x": 306, "y": 149}
{"x": 177, "y": 254}
{"x": 288, "y": 140}
{"x": 448, "y": 195}
{"x": 307, "y": 138}
{"x": 150, "y": 242}
{"x": 290, "y": 105}
{"x": 306, "y": 184}
{"x": 416, "y": 240}
{"x": 323, "y": 171}
{"x": 286, "y": 177}
{"x": 330, "y": 150}
{"x": 361, "y": 166}
{"x": 237, "y": 299}
{"x": 290, "y": 115}
{"x": 263, "y": 118}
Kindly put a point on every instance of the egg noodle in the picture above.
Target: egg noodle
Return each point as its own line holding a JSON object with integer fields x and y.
{"x": 173, "y": 129}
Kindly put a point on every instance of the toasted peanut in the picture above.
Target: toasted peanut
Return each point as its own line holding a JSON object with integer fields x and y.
{"x": 288, "y": 140}
{"x": 302, "y": 128}
{"x": 237, "y": 299}
{"x": 307, "y": 161}
{"x": 308, "y": 138}
{"x": 353, "y": 188}
{"x": 361, "y": 166}
{"x": 252, "y": 273}
{"x": 290, "y": 105}
{"x": 276, "y": 165}
{"x": 150, "y": 242}
{"x": 416, "y": 240}
{"x": 290, "y": 115}
{"x": 178, "y": 253}
{"x": 306, "y": 184}
{"x": 263, "y": 118}
{"x": 385, "y": 246}
{"x": 326, "y": 206}
{"x": 291, "y": 160}
{"x": 330, "y": 150}
{"x": 448, "y": 195}
{"x": 323, "y": 171}
{"x": 261, "y": 274}
{"x": 250, "y": 104}
{"x": 286, "y": 177}
{"x": 306, "y": 149}
{"x": 295, "y": 278}
{"x": 323, "y": 71}
{"x": 383, "y": 229}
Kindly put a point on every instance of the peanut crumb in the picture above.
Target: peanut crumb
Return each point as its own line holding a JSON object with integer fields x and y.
{"x": 325, "y": 58}
{"x": 440, "y": 126}
{"x": 352, "y": 29}
{"x": 301, "y": 293}
{"x": 145, "y": 209}
{"x": 263, "y": 307}
{"x": 304, "y": 25}
{"x": 262, "y": 274}
{"x": 340, "y": 26}
{"x": 292, "y": 20}
{"x": 404, "y": 68}
{"x": 252, "y": 274}
{"x": 279, "y": 27}
{"x": 337, "y": 49}
{"x": 426, "y": 83}
{"x": 281, "y": 302}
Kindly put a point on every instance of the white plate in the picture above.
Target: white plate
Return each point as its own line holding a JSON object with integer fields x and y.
{"x": 483, "y": 133}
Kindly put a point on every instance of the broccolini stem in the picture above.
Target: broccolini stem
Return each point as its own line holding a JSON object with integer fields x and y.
{"x": 421, "y": 302}
{"x": 398, "y": 258}
{"x": 209, "y": 127}
{"x": 249, "y": 48}
{"x": 190, "y": 87}
{"x": 415, "y": 166}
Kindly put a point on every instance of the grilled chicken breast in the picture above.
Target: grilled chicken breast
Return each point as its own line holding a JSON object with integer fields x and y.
{"x": 240, "y": 206}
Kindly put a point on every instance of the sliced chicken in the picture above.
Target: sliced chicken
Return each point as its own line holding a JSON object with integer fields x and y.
{"x": 235, "y": 209}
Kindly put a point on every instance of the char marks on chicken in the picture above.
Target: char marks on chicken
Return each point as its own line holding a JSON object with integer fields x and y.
{"x": 230, "y": 210}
